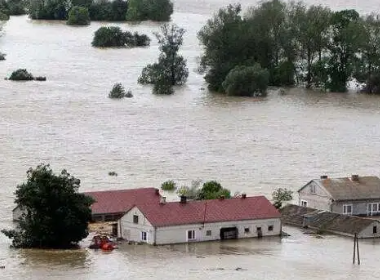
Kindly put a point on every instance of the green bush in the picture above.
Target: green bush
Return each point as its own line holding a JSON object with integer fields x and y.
{"x": 3, "y": 16}
{"x": 114, "y": 37}
{"x": 246, "y": 81}
{"x": 49, "y": 10}
{"x": 78, "y": 16}
{"x": 119, "y": 92}
{"x": 21, "y": 75}
{"x": 169, "y": 186}
{"x": 108, "y": 11}
{"x": 156, "y": 10}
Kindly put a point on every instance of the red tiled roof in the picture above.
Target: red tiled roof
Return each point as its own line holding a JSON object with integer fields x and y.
{"x": 121, "y": 201}
{"x": 209, "y": 211}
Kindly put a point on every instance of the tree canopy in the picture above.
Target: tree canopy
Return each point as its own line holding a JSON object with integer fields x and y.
{"x": 156, "y": 10}
{"x": 297, "y": 44}
{"x": 280, "y": 196}
{"x": 55, "y": 215}
{"x": 113, "y": 36}
{"x": 170, "y": 70}
{"x": 209, "y": 190}
{"x": 78, "y": 16}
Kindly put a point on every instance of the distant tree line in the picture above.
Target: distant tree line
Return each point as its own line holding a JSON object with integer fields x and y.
{"x": 288, "y": 44}
{"x": 103, "y": 10}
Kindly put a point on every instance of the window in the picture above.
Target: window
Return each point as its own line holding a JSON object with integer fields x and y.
{"x": 303, "y": 203}
{"x": 144, "y": 236}
{"x": 374, "y": 229}
{"x": 373, "y": 208}
{"x": 190, "y": 235}
{"x": 208, "y": 233}
{"x": 270, "y": 228}
{"x": 312, "y": 188}
{"x": 246, "y": 230}
{"x": 135, "y": 219}
{"x": 347, "y": 209}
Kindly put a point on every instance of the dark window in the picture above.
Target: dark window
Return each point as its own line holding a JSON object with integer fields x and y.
{"x": 246, "y": 230}
{"x": 191, "y": 235}
{"x": 143, "y": 236}
{"x": 374, "y": 229}
{"x": 270, "y": 228}
{"x": 135, "y": 219}
{"x": 208, "y": 233}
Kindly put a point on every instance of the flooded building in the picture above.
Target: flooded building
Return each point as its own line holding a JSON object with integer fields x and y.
{"x": 355, "y": 195}
{"x": 323, "y": 221}
{"x": 196, "y": 221}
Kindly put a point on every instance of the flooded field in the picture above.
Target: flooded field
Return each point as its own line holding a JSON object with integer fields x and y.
{"x": 247, "y": 144}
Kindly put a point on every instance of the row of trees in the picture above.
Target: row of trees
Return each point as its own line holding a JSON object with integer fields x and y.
{"x": 282, "y": 44}
{"x": 116, "y": 10}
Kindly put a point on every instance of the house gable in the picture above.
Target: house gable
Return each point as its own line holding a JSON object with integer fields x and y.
{"x": 315, "y": 196}
{"x": 130, "y": 217}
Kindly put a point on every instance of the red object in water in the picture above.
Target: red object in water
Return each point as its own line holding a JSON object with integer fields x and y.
{"x": 107, "y": 247}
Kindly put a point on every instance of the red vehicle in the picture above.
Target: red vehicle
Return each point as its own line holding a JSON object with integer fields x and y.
{"x": 102, "y": 242}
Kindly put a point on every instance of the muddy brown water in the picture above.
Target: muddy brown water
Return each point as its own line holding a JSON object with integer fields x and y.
{"x": 249, "y": 145}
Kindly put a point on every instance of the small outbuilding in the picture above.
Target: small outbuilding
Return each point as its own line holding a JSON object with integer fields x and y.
{"x": 195, "y": 221}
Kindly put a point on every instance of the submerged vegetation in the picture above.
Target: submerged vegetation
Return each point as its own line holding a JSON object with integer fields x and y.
{"x": 24, "y": 75}
{"x": 55, "y": 214}
{"x": 119, "y": 92}
{"x": 116, "y": 10}
{"x": 156, "y": 10}
{"x": 170, "y": 70}
{"x": 169, "y": 185}
{"x": 78, "y": 16}
{"x": 207, "y": 190}
{"x": 113, "y": 36}
{"x": 294, "y": 44}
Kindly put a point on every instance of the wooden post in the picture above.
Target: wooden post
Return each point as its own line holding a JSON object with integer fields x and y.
{"x": 357, "y": 249}
{"x": 353, "y": 254}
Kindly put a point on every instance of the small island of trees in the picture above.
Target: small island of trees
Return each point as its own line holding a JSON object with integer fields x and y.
{"x": 113, "y": 36}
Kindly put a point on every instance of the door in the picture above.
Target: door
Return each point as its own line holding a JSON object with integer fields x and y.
{"x": 228, "y": 233}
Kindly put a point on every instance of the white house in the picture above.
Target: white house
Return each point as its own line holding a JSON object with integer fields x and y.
{"x": 195, "y": 221}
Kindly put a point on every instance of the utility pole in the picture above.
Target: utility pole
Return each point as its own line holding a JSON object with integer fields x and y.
{"x": 356, "y": 250}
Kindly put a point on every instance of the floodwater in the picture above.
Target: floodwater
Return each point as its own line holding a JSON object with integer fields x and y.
{"x": 250, "y": 145}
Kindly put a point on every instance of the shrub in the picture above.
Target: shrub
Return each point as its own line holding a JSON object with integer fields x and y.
{"x": 2, "y": 56}
{"x": 112, "y": 173}
{"x": 78, "y": 16}
{"x": 114, "y": 37}
{"x": 118, "y": 92}
{"x": 49, "y": 10}
{"x": 169, "y": 186}
{"x": 16, "y": 7}
{"x": 109, "y": 37}
{"x": 156, "y": 10}
{"x": 3, "y": 16}
{"x": 21, "y": 75}
{"x": 108, "y": 11}
{"x": 246, "y": 81}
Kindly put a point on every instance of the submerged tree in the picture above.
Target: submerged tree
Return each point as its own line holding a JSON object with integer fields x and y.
{"x": 280, "y": 196}
{"x": 78, "y": 16}
{"x": 54, "y": 215}
{"x": 156, "y": 10}
{"x": 170, "y": 70}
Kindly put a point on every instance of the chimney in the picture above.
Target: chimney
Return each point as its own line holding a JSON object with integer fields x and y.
{"x": 157, "y": 191}
{"x": 243, "y": 195}
{"x": 183, "y": 199}
{"x": 355, "y": 177}
{"x": 323, "y": 177}
{"x": 163, "y": 200}
{"x": 221, "y": 197}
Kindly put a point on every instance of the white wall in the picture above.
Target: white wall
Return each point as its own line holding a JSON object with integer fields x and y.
{"x": 368, "y": 232}
{"x": 178, "y": 234}
{"x": 319, "y": 200}
{"x": 131, "y": 231}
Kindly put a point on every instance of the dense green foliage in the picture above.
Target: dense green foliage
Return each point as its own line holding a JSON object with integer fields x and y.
{"x": 246, "y": 81}
{"x": 156, "y": 10}
{"x": 170, "y": 70}
{"x": 119, "y": 92}
{"x": 281, "y": 195}
{"x": 108, "y": 10}
{"x": 209, "y": 190}
{"x": 298, "y": 45}
{"x": 169, "y": 185}
{"x": 55, "y": 215}
{"x": 113, "y": 36}
{"x": 12, "y": 7}
{"x": 49, "y": 9}
{"x": 78, "y": 16}
{"x": 3, "y": 16}
{"x": 21, "y": 75}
